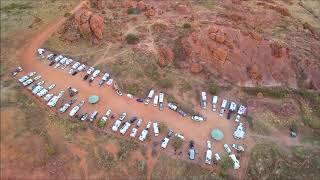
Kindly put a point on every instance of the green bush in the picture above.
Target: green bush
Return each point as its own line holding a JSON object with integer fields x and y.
{"x": 250, "y": 121}
{"x": 274, "y": 92}
{"x": 126, "y": 147}
{"x": 226, "y": 163}
{"x": 152, "y": 72}
{"x": 141, "y": 167}
{"x": 132, "y": 39}
{"x": 165, "y": 83}
{"x": 133, "y": 89}
{"x": 132, "y": 10}
{"x": 213, "y": 89}
{"x": 177, "y": 142}
{"x": 101, "y": 124}
{"x": 163, "y": 128}
{"x": 15, "y": 6}
{"x": 186, "y": 25}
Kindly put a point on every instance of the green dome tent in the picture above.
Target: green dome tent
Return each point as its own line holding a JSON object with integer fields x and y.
{"x": 217, "y": 134}
{"x": 93, "y": 99}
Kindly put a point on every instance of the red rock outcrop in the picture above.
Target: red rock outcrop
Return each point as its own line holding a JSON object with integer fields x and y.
{"x": 196, "y": 68}
{"x": 99, "y": 4}
{"x": 278, "y": 50}
{"x": 166, "y": 55}
{"x": 141, "y": 5}
{"x": 183, "y": 9}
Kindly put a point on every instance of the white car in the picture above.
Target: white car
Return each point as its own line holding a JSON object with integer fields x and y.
{"x": 125, "y": 127}
{"x": 42, "y": 92}
{"x": 75, "y": 109}
{"x": 237, "y": 118}
{"x": 51, "y": 86}
{"x": 50, "y": 56}
{"x": 75, "y": 65}
{"x": 221, "y": 112}
{"x": 53, "y": 101}
{"x": 48, "y": 97}
{"x": 30, "y": 74}
{"x": 37, "y": 78}
{"x": 197, "y": 118}
{"x": 148, "y": 125}
{"x": 133, "y": 132}
{"x": 238, "y": 147}
{"x": 108, "y": 113}
{"x": 37, "y": 89}
{"x": 96, "y": 73}
{"x": 69, "y": 61}
{"x": 81, "y": 68}
{"x": 56, "y": 59}
{"x": 41, "y": 52}
{"x": 71, "y": 71}
{"x": 208, "y": 144}
{"x": 217, "y": 157}
{"x": 172, "y": 106}
{"x": 93, "y": 116}
{"x": 226, "y": 147}
{"x": 179, "y": 136}
{"x": 27, "y": 82}
{"x": 64, "y": 108}
{"x": 236, "y": 163}
{"x": 165, "y": 142}
{"x": 90, "y": 70}
{"x": 105, "y": 76}
{"x": 123, "y": 115}
{"x": 139, "y": 122}
{"x": 143, "y": 135}
{"x": 208, "y": 156}
{"x": 116, "y": 125}
{"x": 23, "y": 78}
{"x": 109, "y": 82}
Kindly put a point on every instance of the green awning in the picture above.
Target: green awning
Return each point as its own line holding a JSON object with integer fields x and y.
{"x": 93, "y": 99}
{"x": 217, "y": 134}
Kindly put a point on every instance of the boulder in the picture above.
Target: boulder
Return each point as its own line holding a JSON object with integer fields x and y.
{"x": 82, "y": 18}
{"x": 196, "y": 68}
{"x": 220, "y": 54}
{"x": 183, "y": 9}
{"x": 253, "y": 72}
{"x": 141, "y": 5}
{"x": 97, "y": 26}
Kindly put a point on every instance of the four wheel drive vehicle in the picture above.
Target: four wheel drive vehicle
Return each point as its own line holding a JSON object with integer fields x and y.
{"x": 170, "y": 132}
{"x": 51, "y": 56}
{"x": 181, "y": 112}
{"x": 191, "y": 152}
{"x": 37, "y": 78}
{"x": 123, "y": 115}
{"x": 91, "y": 79}
{"x": 51, "y": 86}
{"x": 27, "y": 82}
{"x": 90, "y": 70}
{"x": 16, "y": 71}
{"x": 41, "y": 52}
{"x": 238, "y": 147}
{"x": 48, "y": 97}
{"x": 75, "y": 65}
{"x": 75, "y": 109}
{"x": 179, "y": 136}
{"x": 150, "y": 95}
{"x": 30, "y": 74}
{"x": 237, "y": 118}
{"x": 139, "y": 122}
{"x": 155, "y": 129}
{"x": 223, "y": 106}
{"x": 164, "y": 142}
{"x": 125, "y": 127}
{"x": 143, "y": 135}
{"x": 23, "y": 78}
{"x": 93, "y": 116}
{"x": 72, "y": 91}
{"x": 53, "y": 101}
{"x": 85, "y": 77}
{"x": 133, "y": 132}
{"x": 197, "y": 118}
{"x": 81, "y": 68}
{"x": 106, "y": 76}
{"x": 116, "y": 125}
{"x": 37, "y": 89}
{"x": 109, "y": 82}
{"x": 57, "y": 58}
{"x": 217, "y": 157}
{"x": 42, "y": 92}
{"x": 140, "y": 100}
{"x": 84, "y": 116}
{"x": 96, "y": 73}
{"x": 226, "y": 147}
{"x": 172, "y": 106}
{"x": 208, "y": 156}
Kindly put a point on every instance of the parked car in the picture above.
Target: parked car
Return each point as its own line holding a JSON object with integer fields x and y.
{"x": 139, "y": 122}
{"x": 143, "y": 135}
{"x": 217, "y": 157}
{"x": 197, "y": 118}
{"x": 208, "y": 153}
{"x": 42, "y": 92}
{"x": 93, "y": 116}
{"x": 81, "y": 68}
{"x": 123, "y": 115}
{"x": 51, "y": 86}
{"x": 192, "y": 152}
{"x": 226, "y": 147}
{"x": 37, "y": 89}
{"x": 181, "y": 112}
{"x": 16, "y": 71}
{"x": 133, "y": 132}
{"x": 85, "y": 77}
{"x": 90, "y": 70}
{"x": 84, "y": 116}
{"x": 172, "y": 106}
{"x": 116, "y": 125}
{"x": 125, "y": 127}
{"x": 170, "y": 133}
{"x": 238, "y": 147}
{"x": 75, "y": 65}
{"x": 51, "y": 56}
{"x": 27, "y": 82}
{"x": 30, "y": 74}
{"x": 140, "y": 100}
{"x": 155, "y": 129}
{"x": 48, "y": 97}
{"x": 23, "y": 78}
{"x": 75, "y": 109}
{"x": 72, "y": 91}
{"x": 109, "y": 82}
{"x": 179, "y": 136}
{"x": 165, "y": 142}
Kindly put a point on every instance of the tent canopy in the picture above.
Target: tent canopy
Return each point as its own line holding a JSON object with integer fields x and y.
{"x": 93, "y": 99}
{"x": 217, "y": 134}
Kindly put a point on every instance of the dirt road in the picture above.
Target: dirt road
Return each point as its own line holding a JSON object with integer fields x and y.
{"x": 199, "y": 132}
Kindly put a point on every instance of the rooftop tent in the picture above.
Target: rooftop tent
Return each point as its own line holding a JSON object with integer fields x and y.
{"x": 93, "y": 99}
{"x": 217, "y": 134}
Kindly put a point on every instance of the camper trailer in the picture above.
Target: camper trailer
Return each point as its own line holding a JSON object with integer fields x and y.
{"x": 203, "y": 100}
{"x": 214, "y": 103}
{"x": 161, "y": 98}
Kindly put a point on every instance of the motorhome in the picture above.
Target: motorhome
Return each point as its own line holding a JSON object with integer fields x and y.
{"x": 155, "y": 100}
{"x": 232, "y": 108}
{"x": 208, "y": 153}
{"x": 239, "y": 133}
{"x": 214, "y": 103}
{"x": 161, "y": 99}
{"x": 150, "y": 95}
{"x": 75, "y": 109}
{"x": 125, "y": 127}
{"x": 155, "y": 129}
{"x": 223, "y": 106}
{"x": 236, "y": 163}
{"x": 203, "y": 100}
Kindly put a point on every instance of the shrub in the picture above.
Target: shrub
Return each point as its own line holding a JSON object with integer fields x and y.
{"x": 166, "y": 83}
{"x": 213, "y": 89}
{"x": 132, "y": 10}
{"x": 125, "y": 148}
{"x": 163, "y": 128}
{"x": 141, "y": 167}
{"x": 15, "y": 6}
{"x": 225, "y": 163}
{"x": 250, "y": 121}
{"x": 151, "y": 71}
{"x": 101, "y": 123}
{"x": 67, "y": 14}
{"x": 186, "y": 25}
{"x": 132, "y": 39}
{"x": 132, "y": 88}
{"x": 275, "y": 92}
{"x": 50, "y": 149}
{"x": 177, "y": 142}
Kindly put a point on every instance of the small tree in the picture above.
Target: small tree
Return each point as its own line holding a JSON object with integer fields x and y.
{"x": 213, "y": 89}
{"x": 226, "y": 163}
{"x": 132, "y": 39}
{"x": 163, "y": 128}
{"x": 186, "y": 25}
{"x": 177, "y": 142}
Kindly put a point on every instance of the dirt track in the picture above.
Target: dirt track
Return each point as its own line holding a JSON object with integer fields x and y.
{"x": 199, "y": 132}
